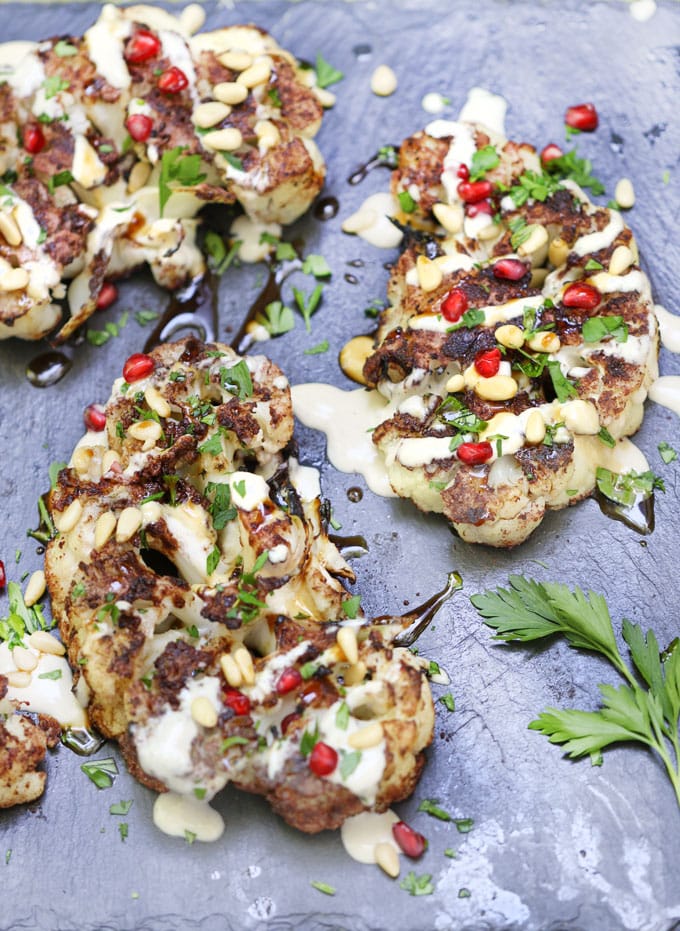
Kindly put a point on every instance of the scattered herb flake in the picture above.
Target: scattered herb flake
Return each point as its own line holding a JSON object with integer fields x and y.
{"x": 183, "y": 169}
{"x": 448, "y": 701}
{"x": 464, "y": 825}
{"x": 321, "y": 347}
{"x": 350, "y": 607}
{"x": 667, "y": 453}
{"x": 308, "y": 305}
{"x": 277, "y": 319}
{"x": 317, "y": 266}
{"x": 406, "y": 202}
{"x": 417, "y": 885}
{"x": 212, "y": 560}
{"x": 326, "y": 74}
{"x": 342, "y": 716}
{"x": 323, "y": 887}
{"x": 597, "y": 328}
{"x": 52, "y": 674}
{"x": 101, "y": 772}
{"x": 628, "y": 487}
{"x": 237, "y": 380}
{"x": 483, "y": 160}
{"x": 430, "y": 807}
{"x": 120, "y": 808}
{"x": 233, "y": 741}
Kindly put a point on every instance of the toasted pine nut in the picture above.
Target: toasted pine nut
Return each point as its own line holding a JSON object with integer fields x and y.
{"x": 35, "y": 588}
{"x": 450, "y": 216}
{"x": 256, "y": 74}
{"x": 10, "y": 229}
{"x": 325, "y": 97}
{"x": 490, "y": 231}
{"x": 537, "y": 239}
{"x": 14, "y": 280}
{"x": 104, "y": 528}
{"x": 387, "y": 859}
{"x": 209, "y": 114}
{"x": 455, "y": 383}
{"x": 129, "y": 522}
{"x": 429, "y": 274}
{"x": 82, "y": 459}
{"x": 231, "y": 671}
{"x": 624, "y": 194}
{"x": 203, "y": 712}
{"x": 621, "y": 260}
{"x": 19, "y": 679}
{"x": 44, "y": 642}
{"x": 67, "y": 520}
{"x": 192, "y": 18}
{"x": 353, "y": 356}
{"x": 538, "y": 276}
{"x": 24, "y": 660}
{"x": 534, "y": 430}
{"x": 383, "y": 81}
{"x": 510, "y": 336}
{"x": 580, "y": 416}
{"x": 138, "y": 177}
{"x": 544, "y": 341}
{"x": 108, "y": 459}
{"x": 355, "y": 674}
{"x": 369, "y": 736}
{"x": 267, "y": 134}
{"x": 148, "y": 432}
{"x": 558, "y": 251}
{"x": 230, "y": 92}
{"x": 223, "y": 140}
{"x": 347, "y": 641}
{"x": 236, "y": 61}
{"x": 244, "y": 661}
{"x": 156, "y": 401}
{"x": 496, "y": 388}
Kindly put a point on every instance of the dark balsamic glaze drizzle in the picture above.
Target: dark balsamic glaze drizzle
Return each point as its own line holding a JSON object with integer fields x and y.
{"x": 422, "y": 616}
{"x": 638, "y": 517}
{"x": 355, "y": 494}
{"x": 48, "y": 368}
{"x": 327, "y": 208}
{"x": 278, "y": 273}
{"x": 351, "y": 547}
{"x": 192, "y": 308}
{"x": 375, "y": 161}
{"x": 82, "y": 741}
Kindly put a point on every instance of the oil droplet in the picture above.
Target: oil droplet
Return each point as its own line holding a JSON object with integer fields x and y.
{"x": 639, "y": 516}
{"x": 362, "y": 52}
{"x": 351, "y": 547}
{"x": 81, "y": 740}
{"x": 356, "y": 263}
{"x": 351, "y": 279}
{"x": 47, "y": 369}
{"x": 326, "y": 208}
{"x": 355, "y": 494}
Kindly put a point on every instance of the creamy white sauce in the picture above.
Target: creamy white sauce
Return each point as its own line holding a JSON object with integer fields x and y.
{"x": 371, "y": 222}
{"x": 493, "y": 314}
{"x": 45, "y": 696}
{"x": 248, "y": 490}
{"x": 434, "y": 102}
{"x": 104, "y": 43}
{"x": 593, "y": 242}
{"x": 305, "y": 479}
{"x": 642, "y": 10}
{"x": 669, "y": 328}
{"x": 249, "y": 233}
{"x": 178, "y": 814}
{"x": 666, "y": 391}
{"x": 361, "y": 833}
{"x": 609, "y": 284}
{"x": 487, "y": 108}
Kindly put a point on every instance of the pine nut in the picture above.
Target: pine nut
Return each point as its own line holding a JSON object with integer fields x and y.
{"x": 624, "y": 194}
{"x": 67, "y": 520}
{"x": 231, "y": 671}
{"x": 46, "y": 643}
{"x": 256, "y": 74}
{"x": 19, "y": 680}
{"x": 151, "y": 512}
{"x": 450, "y": 216}
{"x": 138, "y": 177}
{"x": 510, "y": 336}
{"x": 235, "y": 61}
{"x": 156, "y": 401}
{"x": 621, "y": 260}
{"x": 544, "y": 342}
{"x": 558, "y": 251}
{"x": 14, "y": 280}
{"x": 192, "y": 18}
{"x": 580, "y": 417}
{"x": 347, "y": 641}
{"x": 455, "y": 383}
{"x": 538, "y": 276}
{"x": 383, "y": 81}
{"x": 24, "y": 660}
{"x": 325, "y": 97}
{"x": 496, "y": 388}
{"x": 108, "y": 459}
{"x": 429, "y": 274}
{"x": 209, "y": 114}
{"x": 267, "y": 134}
{"x": 534, "y": 431}
{"x": 353, "y": 355}
{"x": 223, "y": 140}
{"x": 355, "y": 674}
{"x": 490, "y": 231}
{"x": 203, "y": 712}
{"x": 129, "y": 522}
{"x": 35, "y": 588}
{"x": 148, "y": 432}
{"x": 537, "y": 239}
{"x": 104, "y": 528}
{"x": 369, "y": 736}
{"x": 387, "y": 859}
{"x": 244, "y": 661}
{"x": 10, "y": 229}
{"x": 230, "y": 92}
{"x": 82, "y": 459}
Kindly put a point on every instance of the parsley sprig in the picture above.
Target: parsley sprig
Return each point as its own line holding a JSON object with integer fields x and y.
{"x": 645, "y": 709}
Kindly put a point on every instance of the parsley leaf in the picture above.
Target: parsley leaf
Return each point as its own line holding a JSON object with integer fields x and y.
{"x": 321, "y": 347}
{"x": 448, "y": 701}
{"x": 323, "y": 887}
{"x": 277, "y": 318}
{"x": 563, "y": 387}
{"x": 431, "y": 807}
{"x": 470, "y": 319}
{"x": 575, "y": 169}
{"x": 326, "y": 74}
{"x": 406, "y": 202}
{"x": 221, "y": 509}
{"x": 417, "y": 885}
{"x": 308, "y": 305}
{"x": 350, "y": 606}
{"x": 627, "y": 488}
{"x": 184, "y": 169}
{"x": 597, "y": 328}
{"x": 64, "y": 49}
{"x": 54, "y": 85}
{"x": 236, "y": 380}
{"x": 666, "y": 451}
{"x": 349, "y": 762}
{"x": 483, "y": 160}
{"x": 101, "y": 772}
{"x": 316, "y": 265}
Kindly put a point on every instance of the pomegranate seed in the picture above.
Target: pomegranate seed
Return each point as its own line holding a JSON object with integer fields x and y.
{"x": 3, "y": 576}
{"x": 237, "y": 701}
{"x": 94, "y": 418}
{"x": 323, "y": 759}
{"x": 581, "y": 295}
{"x": 583, "y": 116}
{"x": 463, "y": 172}
{"x": 173, "y": 80}
{"x": 139, "y": 126}
{"x": 142, "y": 46}
{"x": 487, "y": 363}
{"x": 474, "y": 210}
{"x": 474, "y": 191}
{"x": 511, "y": 269}
{"x": 289, "y": 679}
{"x": 34, "y": 139}
{"x": 138, "y": 366}
{"x": 288, "y": 720}
{"x": 411, "y": 842}
{"x": 454, "y": 305}
{"x": 551, "y": 152}
{"x": 474, "y": 453}
{"x": 108, "y": 293}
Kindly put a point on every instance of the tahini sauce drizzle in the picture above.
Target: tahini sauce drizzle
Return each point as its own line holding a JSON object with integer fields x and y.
{"x": 669, "y": 328}
{"x": 666, "y": 391}
{"x": 176, "y": 815}
{"x": 45, "y": 696}
{"x": 361, "y": 833}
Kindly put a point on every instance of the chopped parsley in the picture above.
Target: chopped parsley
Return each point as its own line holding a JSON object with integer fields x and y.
{"x": 316, "y": 265}
{"x": 120, "y": 808}
{"x": 323, "y": 887}
{"x": 431, "y": 807}
{"x": 144, "y": 317}
{"x": 221, "y": 510}
{"x": 212, "y": 560}
{"x": 350, "y": 607}
{"x": 308, "y": 305}
{"x": 219, "y": 258}
{"x": 349, "y": 762}
{"x": 563, "y": 387}
{"x": 448, "y": 701}
{"x": 236, "y": 380}
{"x": 606, "y": 438}
{"x": 628, "y": 487}
{"x": 277, "y": 319}
{"x": 326, "y": 74}
{"x": 597, "y": 328}
{"x": 342, "y": 716}
{"x": 183, "y": 169}
{"x": 483, "y": 160}
{"x": 52, "y": 674}
{"x": 470, "y": 319}
{"x": 417, "y": 885}
{"x": 575, "y": 169}
{"x": 21, "y": 619}
{"x": 233, "y": 741}
{"x": 101, "y": 772}
{"x": 321, "y": 347}
{"x": 406, "y": 202}
{"x": 54, "y": 85}
{"x": 58, "y": 180}
{"x": 309, "y": 740}
{"x": 64, "y": 49}
{"x": 667, "y": 453}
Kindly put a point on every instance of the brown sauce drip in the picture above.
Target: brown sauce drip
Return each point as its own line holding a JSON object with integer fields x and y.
{"x": 639, "y": 516}
{"x": 271, "y": 291}
{"x": 193, "y": 309}
{"x": 327, "y": 208}
{"x": 47, "y": 369}
{"x": 421, "y": 617}
{"x": 351, "y": 547}
{"x": 375, "y": 161}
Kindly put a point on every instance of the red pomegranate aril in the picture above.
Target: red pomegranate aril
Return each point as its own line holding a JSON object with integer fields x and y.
{"x": 454, "y": 305}
{"x": 463, "y": 172}
{"x": 474, "y": 191}
{"x": 582, "y": 296}
{"x": 289, "y": 679}
{"x": 582, "y": 116}
{"x": 173, "y": 80}
{"x": 142, "y": 46}
{"x": 411, "y": 842}
{"x": 138, "y": 366}
{"x": 323, "y": 759}
{"x": 237, "y": 701}
{"x": 3, "y": 575}
{"x": 474, "y": 453}
{"x": 474, "y": 210}
{"x": 34, "y": 139}
{"x": 94, "y": 418}
{"x": 108, "y": 293}
{"x": 139, "y": 126}
{"x": 288, "y": 721}
{"x": 510, "y": 269}
{"x": 550, "y": 153}
{"x": 487, "y": 363}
